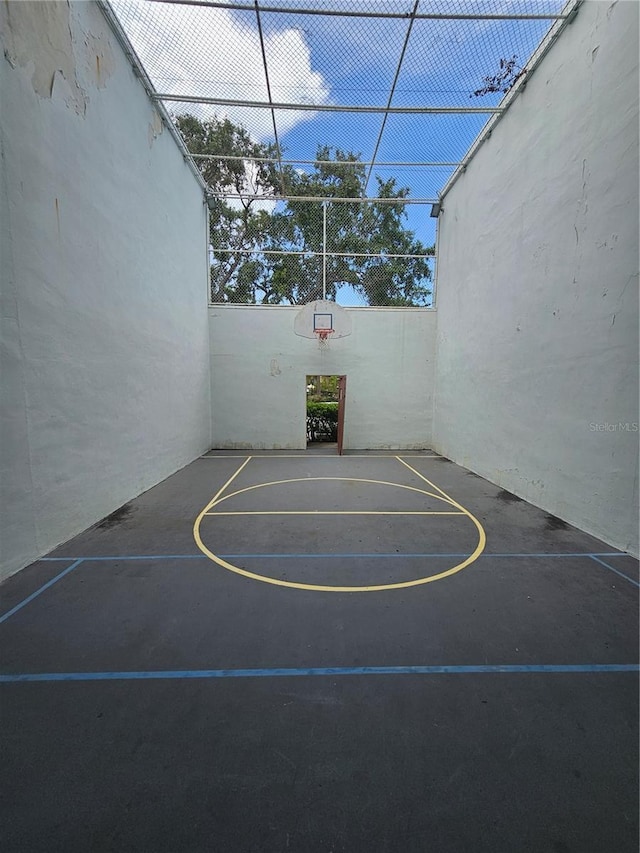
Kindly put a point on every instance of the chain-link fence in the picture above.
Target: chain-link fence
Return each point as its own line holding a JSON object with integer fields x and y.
{"x": 352, "y": 251}
{"x": 375, "y": 106}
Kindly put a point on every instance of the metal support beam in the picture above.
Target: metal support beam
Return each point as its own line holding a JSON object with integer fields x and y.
{"x": 322, "y": 198}
{"x": 323, "y": 108}
{"x": 391, "y": 93}
{"x": 266, "y": 77}
{"x": 379, "y": 164}
{"x": 363, "y": 13}
{"x": 310, "y": 254}
{"x": 324, "y": 250}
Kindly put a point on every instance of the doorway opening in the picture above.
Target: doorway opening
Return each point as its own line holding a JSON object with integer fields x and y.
{"x": 325, "y": 403}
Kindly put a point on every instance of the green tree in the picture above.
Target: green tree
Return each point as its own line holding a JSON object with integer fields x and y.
{"x": 237, "y": 225}
{"x": 360, "y": 236}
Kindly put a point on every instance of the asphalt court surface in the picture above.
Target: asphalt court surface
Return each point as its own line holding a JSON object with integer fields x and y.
{"x": 154, "y": 699}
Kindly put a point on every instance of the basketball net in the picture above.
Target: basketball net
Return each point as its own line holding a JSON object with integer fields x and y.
{"x": 323, "y": 338}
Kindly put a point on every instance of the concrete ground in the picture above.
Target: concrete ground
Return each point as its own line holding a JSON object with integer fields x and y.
{"x": 321, "y": 654}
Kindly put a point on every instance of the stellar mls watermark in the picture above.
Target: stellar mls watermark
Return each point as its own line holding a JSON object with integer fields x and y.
{"x": 619, "y": 426}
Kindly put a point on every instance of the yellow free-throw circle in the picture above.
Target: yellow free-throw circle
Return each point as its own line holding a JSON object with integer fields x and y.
{"x": 323, "y": 588}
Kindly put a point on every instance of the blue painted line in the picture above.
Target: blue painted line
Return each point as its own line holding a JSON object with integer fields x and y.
{"x": 102, "y": 559}
{"x": 38, "y": 592}
{"x": 611, "y": 569}
{"x": 567, "y": 554}
{"x": 400, "y": 555}
{"x": 317, "y": 671}
{"x": 54, "y": 560}
{"x": 485, "y": 555}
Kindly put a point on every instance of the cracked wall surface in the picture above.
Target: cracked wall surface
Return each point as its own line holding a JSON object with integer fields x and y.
{"x": 537, "y": 354}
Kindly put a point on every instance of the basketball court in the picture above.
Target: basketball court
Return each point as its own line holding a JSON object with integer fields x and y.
{"x": 295, "y": 651}
{"x": 233, "y": 227}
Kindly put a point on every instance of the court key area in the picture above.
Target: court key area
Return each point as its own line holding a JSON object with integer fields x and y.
{"x": 286, "y": 651}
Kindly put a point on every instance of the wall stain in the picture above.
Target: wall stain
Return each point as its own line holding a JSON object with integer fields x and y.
{"x": 555, "y": 523}
{"x": 508, "y": 497}
{"x": 119, "y": 516}
{"x": 104, "y": 65}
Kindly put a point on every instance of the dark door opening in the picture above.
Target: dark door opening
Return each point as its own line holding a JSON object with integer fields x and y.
{"x": 325, "y": 401}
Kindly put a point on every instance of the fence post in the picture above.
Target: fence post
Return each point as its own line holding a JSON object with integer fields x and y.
{"x": 324, "y": 249}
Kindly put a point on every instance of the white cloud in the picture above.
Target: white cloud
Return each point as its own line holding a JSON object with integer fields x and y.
{"x": 215, "y": 53}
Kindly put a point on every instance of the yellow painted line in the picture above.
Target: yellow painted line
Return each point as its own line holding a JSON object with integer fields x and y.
{"x": 333, "y": 512}
{"x": 331, "y": 479}
{"x": 326, "y": 588}
{"x": 220, "y": 491}
{"x": 196, "y": 523}
{"x": 433, "y": 485}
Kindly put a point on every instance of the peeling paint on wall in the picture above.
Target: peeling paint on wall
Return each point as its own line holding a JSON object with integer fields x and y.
{"x": 37, "y": 37}
{"x": 156, "y": 126}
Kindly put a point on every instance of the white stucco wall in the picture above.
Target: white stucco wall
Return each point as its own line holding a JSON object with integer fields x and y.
{"x": 104, "y": 336}
{"x": 259, "y": 369}
{"x": 537, "y": 287}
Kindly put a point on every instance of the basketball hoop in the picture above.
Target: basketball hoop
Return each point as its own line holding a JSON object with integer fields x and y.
{"x": 323, "y": 336}
{"x": 323, "y": 320}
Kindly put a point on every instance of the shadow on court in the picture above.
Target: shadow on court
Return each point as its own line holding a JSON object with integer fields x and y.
{"x": 306, "y": 652}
